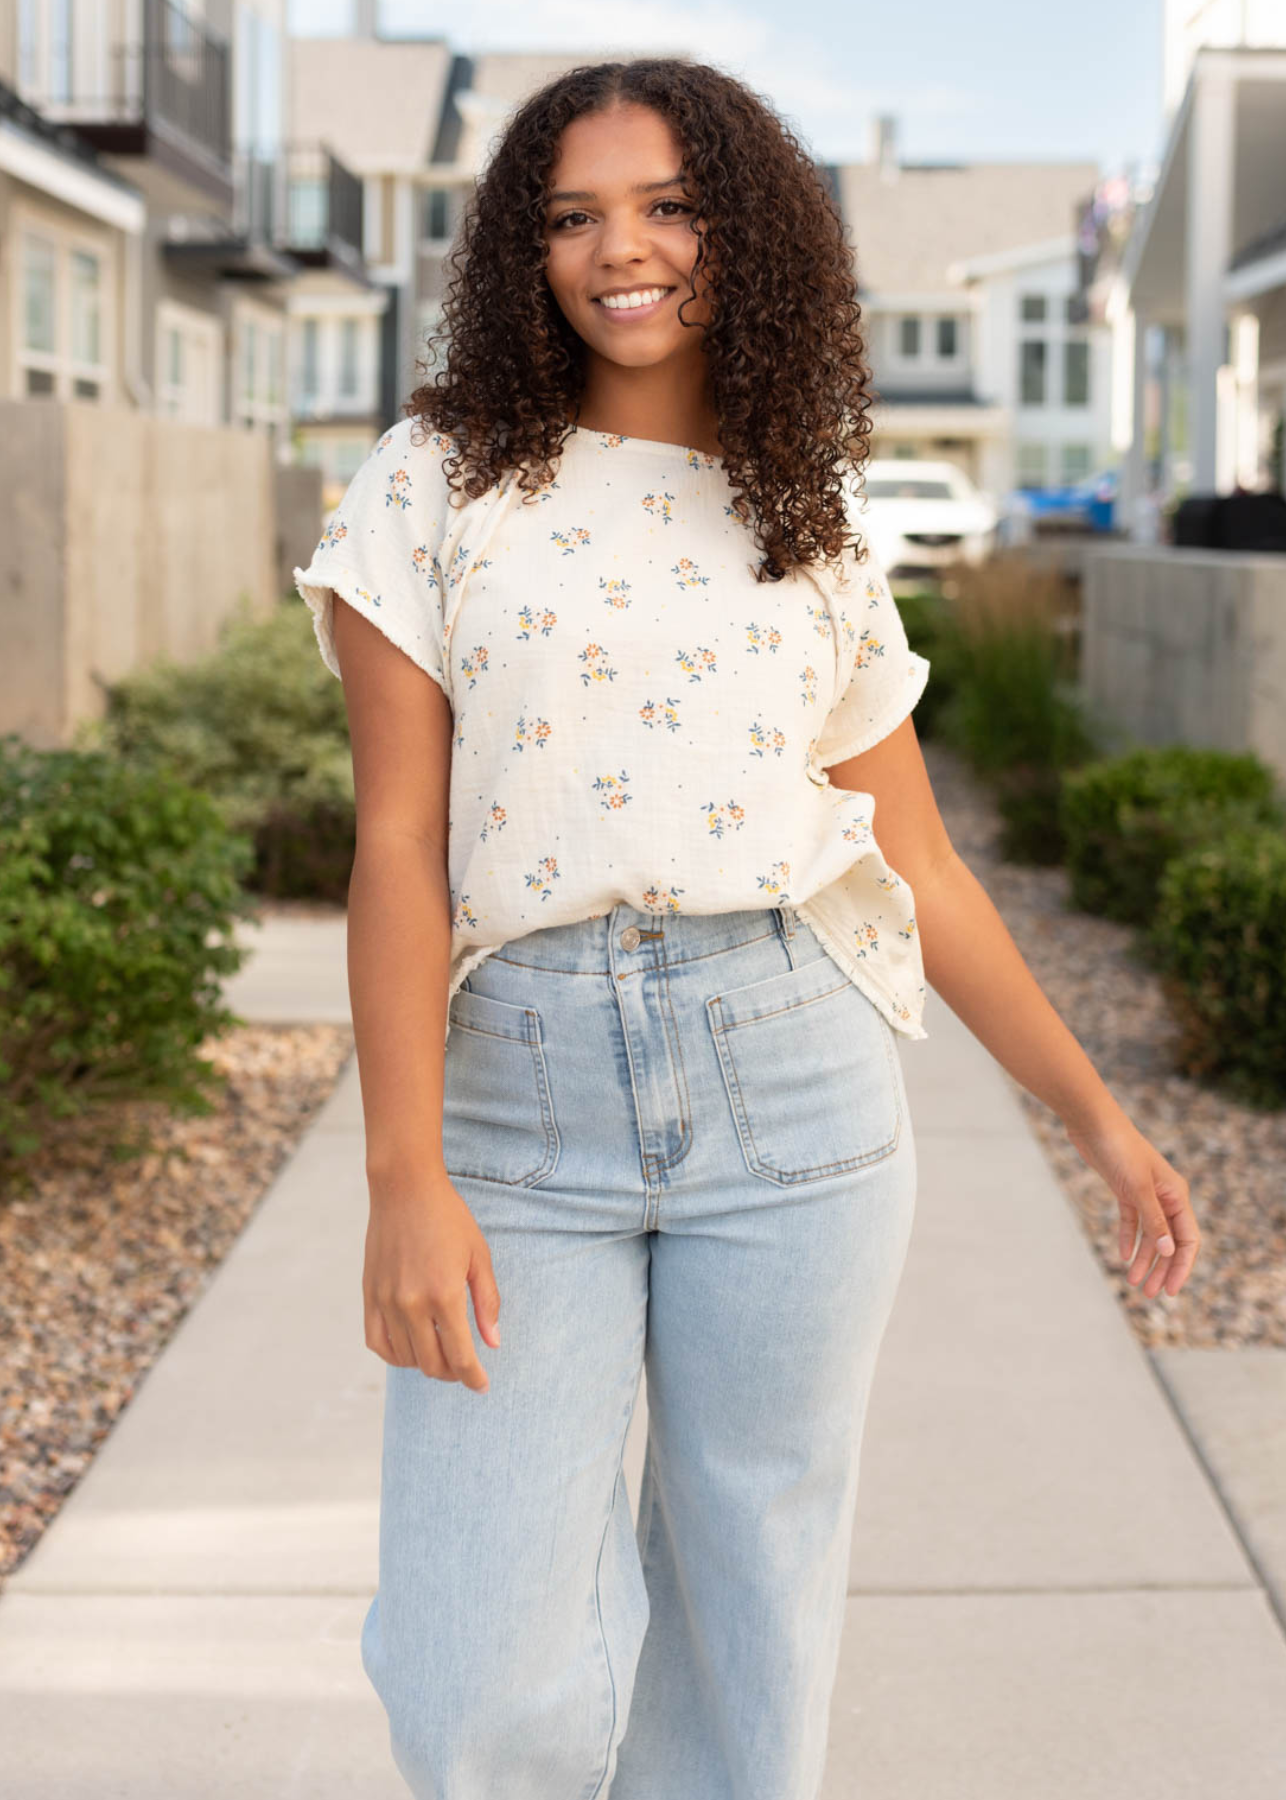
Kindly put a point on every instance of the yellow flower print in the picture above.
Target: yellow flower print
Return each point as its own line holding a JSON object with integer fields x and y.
{"x": 547, "y": 872}
{"x": 384, "y": 442}
{"x": 666, "y": 714}
{"x": 612, "y": 788}
{"x": 399, "y": 489}
{"x": 909, "y": 930}
{"x": 536, "y": 733}
{"x": 616, "y": 593}
{"x": 821, "y": 620}
{"x": 332, "y": 535}
{"x": 496, "y": 820}
{"x": 694, "y": 667}
{"x": 762, "y": 739}
{"x": 657, "y": 899}
{"x": 425, "y": 563}
{"x": 595, "y": 658}
{"x": 463, "y": 913}
{"x": 475, "y": 665}
{"x": 722, "y": 818}
{"x": 688, "y": 574}
{"x": 808, "y": 675}
{"x": 661, "y": 506}
{"x": 868, "y": 938}
{"x": 568, "y": 541}
{"x": 867, "y": 650}
{"x": 367, "y": 596}
{"x": 530, "y": 620}
{"x": 888, "y": 882}
{"x": 762, "y": 640}
{"x": 699, "y": 459}
{"x": 775, "y": 882}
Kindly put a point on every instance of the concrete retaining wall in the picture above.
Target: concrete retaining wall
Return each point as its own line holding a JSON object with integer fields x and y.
{"x": 1188, "y": 646}
{"x": 125, "y": 537}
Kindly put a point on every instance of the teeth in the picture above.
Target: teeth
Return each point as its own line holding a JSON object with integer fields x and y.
{"x": 640, "y": 298}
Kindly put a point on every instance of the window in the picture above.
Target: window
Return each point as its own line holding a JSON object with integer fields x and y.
{"x": 41, "y": 287}
{"x": 908, "y": 338}
{"x": 437, "y": 213}
{"x": 258, "y": 337}
{"x": 914, "y": 487}
{"x": 61, "y": 346}
{"x": 86, "y": 307}
{"x": 1076, "y": 462}
{"x": 309, "y": 369}
{"x": 1031, "y": 309}
{"x": 948, "y": 339}
{"x": 1031, "y": 372}
{"x": 1076, "y": 372}
{"x": 188, "y": 360}
{"x": 348, "y": 357}
{"x": 1030, "y": 462}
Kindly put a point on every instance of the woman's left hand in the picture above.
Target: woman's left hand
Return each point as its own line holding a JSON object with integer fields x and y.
{"x": 1152, "y": 1197}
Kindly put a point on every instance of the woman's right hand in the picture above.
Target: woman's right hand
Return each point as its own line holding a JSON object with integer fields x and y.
{"x": 424, "y": 1252}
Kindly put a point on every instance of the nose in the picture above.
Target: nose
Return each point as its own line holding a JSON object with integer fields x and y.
{"x": 623, "y": 239}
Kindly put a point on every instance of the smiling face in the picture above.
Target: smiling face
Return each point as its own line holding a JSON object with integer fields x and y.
{"x": 621, "y": 248}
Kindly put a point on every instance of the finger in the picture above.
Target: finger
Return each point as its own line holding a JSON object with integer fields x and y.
{"x": 426, "y": 1349}
{"x": 486, "y": 1300}
{"x": 457, "y": 1344}
{"x": 377, "y": 1336}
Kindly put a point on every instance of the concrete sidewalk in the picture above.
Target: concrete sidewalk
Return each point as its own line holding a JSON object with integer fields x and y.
{"x": 1068, "y": 1566}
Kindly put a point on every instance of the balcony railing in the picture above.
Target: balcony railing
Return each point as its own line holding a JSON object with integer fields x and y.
{"x": 323, "y": 203}
{"x": 169, "y": 95}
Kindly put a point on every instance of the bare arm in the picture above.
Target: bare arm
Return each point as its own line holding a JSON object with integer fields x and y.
{"x": 972, "y": 961}
{"x": 424, "y": 1245}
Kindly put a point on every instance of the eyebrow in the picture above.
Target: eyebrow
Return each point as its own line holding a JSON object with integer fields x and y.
{"x": 640, "y": 187}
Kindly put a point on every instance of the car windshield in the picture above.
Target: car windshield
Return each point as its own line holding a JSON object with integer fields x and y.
{"x": 911, "y": 487}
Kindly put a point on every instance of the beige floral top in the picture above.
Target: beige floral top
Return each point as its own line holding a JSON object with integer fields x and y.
{"x": 636, "y": 718}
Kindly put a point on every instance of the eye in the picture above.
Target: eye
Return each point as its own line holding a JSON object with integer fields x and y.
{"x": 564, "y": 218}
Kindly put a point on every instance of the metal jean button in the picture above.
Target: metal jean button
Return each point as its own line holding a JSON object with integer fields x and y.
{"x": 631, "y": 937}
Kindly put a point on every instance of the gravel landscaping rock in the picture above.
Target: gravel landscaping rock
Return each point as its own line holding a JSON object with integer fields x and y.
{"x": 100, "y": 1261}
{"x": 1232, "y": 1156}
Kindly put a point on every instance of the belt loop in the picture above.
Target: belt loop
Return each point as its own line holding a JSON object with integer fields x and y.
{"x": 788, "y": 920}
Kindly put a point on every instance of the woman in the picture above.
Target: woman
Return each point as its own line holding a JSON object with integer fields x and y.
{"x": 617, "y": 855}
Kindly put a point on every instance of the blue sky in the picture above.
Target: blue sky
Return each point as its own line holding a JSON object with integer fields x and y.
{"x": 996, "y": 79}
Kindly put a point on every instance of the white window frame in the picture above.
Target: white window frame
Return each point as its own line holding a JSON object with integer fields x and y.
{"x": 257, "y": 327}
{"x": 193, "y": 327}
{"x": 65, "y": 368}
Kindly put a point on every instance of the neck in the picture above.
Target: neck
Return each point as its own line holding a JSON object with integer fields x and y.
{"x": 662, "y": 402}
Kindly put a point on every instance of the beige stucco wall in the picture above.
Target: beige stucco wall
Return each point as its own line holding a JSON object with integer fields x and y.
{"x": 123, "y": 538}
{"x": 1188, "y": 646}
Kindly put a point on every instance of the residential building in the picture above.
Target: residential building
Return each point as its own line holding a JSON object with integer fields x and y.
{"x": 69, "y": 234}
{"x": 187, "y": 104}
{"x": 967, "y": 274}
{"x": 1201, "y": 298}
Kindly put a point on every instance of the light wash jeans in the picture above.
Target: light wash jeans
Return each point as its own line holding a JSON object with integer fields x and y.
{"x": 686, "y": 1141}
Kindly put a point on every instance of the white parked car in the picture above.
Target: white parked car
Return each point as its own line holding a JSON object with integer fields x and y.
{"x": 920, "y": 516}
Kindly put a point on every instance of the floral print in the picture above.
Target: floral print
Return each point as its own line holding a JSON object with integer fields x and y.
{"x": 634, "y": 718}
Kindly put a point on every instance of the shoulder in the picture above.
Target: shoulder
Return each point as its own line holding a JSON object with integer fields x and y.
{"x": 400, "y": 485}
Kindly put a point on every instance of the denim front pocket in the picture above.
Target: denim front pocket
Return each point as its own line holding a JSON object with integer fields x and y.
{"x": 808, "y": 1062}
{"x": 497, "y": 1117}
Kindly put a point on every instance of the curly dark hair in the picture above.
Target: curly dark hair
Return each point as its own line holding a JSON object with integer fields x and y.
{"x": 787, "y": 366}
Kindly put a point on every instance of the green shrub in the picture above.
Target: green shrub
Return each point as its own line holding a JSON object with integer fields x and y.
{"x": 1124, "y": 817}
{"x": 119, "y": 888}
{"x": 927, "y": 618}
{"x": 1014, "y": 710}
{"x": 1219, "y": 935}
{"x": 260, "y": 726}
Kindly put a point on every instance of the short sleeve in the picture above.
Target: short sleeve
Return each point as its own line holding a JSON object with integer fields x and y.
{"x": 879, "y": 677}
{"x": 379, "y": 552}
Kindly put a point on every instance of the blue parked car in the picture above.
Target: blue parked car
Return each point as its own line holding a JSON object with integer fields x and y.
{"x": 1089, "y": 505}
